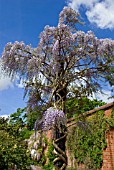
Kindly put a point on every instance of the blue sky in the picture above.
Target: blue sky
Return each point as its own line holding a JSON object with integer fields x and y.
{"x": 24, "y": 20}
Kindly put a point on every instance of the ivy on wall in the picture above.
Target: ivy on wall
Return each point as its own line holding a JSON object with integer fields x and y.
{"x": 86, "y": 145}
{"x": 50, "y": 157}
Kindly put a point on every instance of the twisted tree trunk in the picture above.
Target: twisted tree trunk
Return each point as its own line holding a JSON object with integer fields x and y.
{"x": 60, "y": 161}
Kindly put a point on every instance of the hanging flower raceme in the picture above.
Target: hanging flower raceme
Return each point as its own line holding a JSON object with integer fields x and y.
{"x": 54, "y": 118}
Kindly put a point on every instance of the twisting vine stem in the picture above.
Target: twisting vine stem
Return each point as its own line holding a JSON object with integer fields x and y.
{"x": 60, "y": 161}
{"x": 61, "y": 158}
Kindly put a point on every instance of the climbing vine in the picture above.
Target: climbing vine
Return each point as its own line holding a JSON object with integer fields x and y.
{"x": 110, "y": 120}
{"x": 86, "y": 144}
{"x": 50, "y": 156}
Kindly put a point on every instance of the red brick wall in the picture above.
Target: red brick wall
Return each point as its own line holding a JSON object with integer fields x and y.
{"x": 108, "y": 153}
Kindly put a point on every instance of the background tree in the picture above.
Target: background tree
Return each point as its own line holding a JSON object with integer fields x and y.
{"x": 21, "y": 124}
{"x": 66, "y": 62}
{"x": 13, "y": 148}
{"x": 76, "y": 107}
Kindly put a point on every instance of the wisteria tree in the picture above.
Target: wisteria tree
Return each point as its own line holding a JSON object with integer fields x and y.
{"x": 65, "y": 63}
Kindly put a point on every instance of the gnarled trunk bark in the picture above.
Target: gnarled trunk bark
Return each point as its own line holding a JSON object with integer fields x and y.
{"x": 60, "y": 161}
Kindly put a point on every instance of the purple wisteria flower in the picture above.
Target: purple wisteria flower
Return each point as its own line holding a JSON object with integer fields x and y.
{"x": 61, "y": 51}
{"x": 53, "y": 118}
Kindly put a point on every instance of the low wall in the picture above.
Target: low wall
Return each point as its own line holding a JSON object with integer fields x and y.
{"x": 108, "y": 153}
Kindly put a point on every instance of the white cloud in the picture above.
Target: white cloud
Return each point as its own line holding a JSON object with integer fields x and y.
{"x": 75, "y": 4}
{"x": 98, "y": 12}
{"x": 105, "y": 96}
{"x": 20, "y": 83}
{"x": 5, "y": 81}
{"x": 5, "y": 116}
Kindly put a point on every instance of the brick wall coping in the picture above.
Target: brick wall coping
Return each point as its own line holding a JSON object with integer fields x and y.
{"x": 89, "y": 113}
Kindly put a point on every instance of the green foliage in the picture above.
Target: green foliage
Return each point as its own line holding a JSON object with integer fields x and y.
{"x": 50, "y": 157}
{"x": 48, "y": 166}
{"x": 74, "y": 106}
{"x": 110, "y": 120}
{"x": 16, "y": 122}
{"x": 17, "y": 117}
{"x": 13, "y": 148}
{"x": 86, "y": 145}
{"x": 25, "y": 133}
{"x": 19, "y": 122}
{"x": 50, "y": 152}
{"x": 32, "y": 117}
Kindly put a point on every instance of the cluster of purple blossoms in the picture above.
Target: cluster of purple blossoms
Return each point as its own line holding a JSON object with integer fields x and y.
{"x": 68, "y": 14}
{"x": 53, "y": 118}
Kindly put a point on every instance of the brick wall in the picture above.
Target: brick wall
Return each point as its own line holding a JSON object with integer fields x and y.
{"x": 108, "y": 153}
